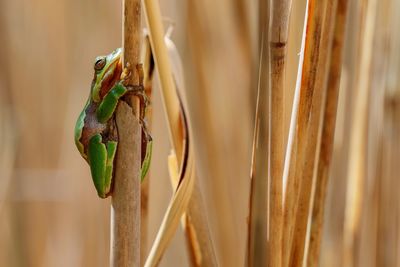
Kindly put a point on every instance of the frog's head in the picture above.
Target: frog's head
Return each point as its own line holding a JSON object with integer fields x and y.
{"x": 107, "y": 71}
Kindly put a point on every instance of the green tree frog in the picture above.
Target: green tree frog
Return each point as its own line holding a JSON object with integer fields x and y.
{"x": 96, "y": 135}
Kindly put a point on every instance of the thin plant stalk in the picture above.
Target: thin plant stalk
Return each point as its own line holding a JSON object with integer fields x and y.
{"x": 290, "y": 184}
{"x": 278, "y": 36}
{"x": 125, "y": 203}
{"x": 315, "y": 81}
{"x": 328, "y": 131}
{"x": 308, "y": 125}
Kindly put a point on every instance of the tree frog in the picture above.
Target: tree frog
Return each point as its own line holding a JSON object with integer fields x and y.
{"x": 96, "y": 135}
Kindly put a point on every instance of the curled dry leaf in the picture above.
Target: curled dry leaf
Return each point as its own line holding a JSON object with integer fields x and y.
{"x": 183, "y": 179}
{"x": 178, "y": 203}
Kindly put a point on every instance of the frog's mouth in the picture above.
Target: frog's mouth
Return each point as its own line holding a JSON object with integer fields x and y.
{"x": 111, "y": 76}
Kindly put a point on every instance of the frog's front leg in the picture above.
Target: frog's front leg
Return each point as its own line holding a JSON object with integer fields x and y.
{"x": 101, "y": 158}
{"x": 110, "y": 101}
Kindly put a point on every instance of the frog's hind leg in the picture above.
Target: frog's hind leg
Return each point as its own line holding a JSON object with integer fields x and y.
{"x": 111, "y": 151}
{"x": 101, "y": 158}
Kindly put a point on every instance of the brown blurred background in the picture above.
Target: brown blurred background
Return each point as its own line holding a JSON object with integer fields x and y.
{"x": 50, "y": 214}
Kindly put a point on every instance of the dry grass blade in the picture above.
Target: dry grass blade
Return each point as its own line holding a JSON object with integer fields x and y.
{"x": 278, "y": 36}
{"x": 183, "y": 149}
{"x": 178, "y": 130}
{"x": 182, "y": 180}
{"x": 168, "y": 87}
{"x": 328, "y": 131}
{"x": 194, "y": 222}
{"x": 125, "y": 205}
{"x": 176, "y": 208}
{"x": 357, "y": 152}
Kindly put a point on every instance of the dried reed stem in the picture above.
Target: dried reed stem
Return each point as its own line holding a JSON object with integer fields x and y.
{"x": 312, "y": 97}
{"x": 290, "y": 184}
{"x": 125, "y": 204}
{"x": 278, "y": 36}
{"x": 328, "y": 132}
{"x": 357, "y": 152}
{"x": 315, "y": 90}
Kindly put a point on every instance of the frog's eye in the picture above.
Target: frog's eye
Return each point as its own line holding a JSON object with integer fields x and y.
{"x": 100, "y": 63}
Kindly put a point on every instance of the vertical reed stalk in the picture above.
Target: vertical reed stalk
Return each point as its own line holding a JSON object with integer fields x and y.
{"x": 311, "y": 103}
{"x": 291, "y": 185}
{"x": 125, "y": 205}
{"x": 278, "y": 36}
{"x": 314, "y": 103}
{"x": 328, "y": 132}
